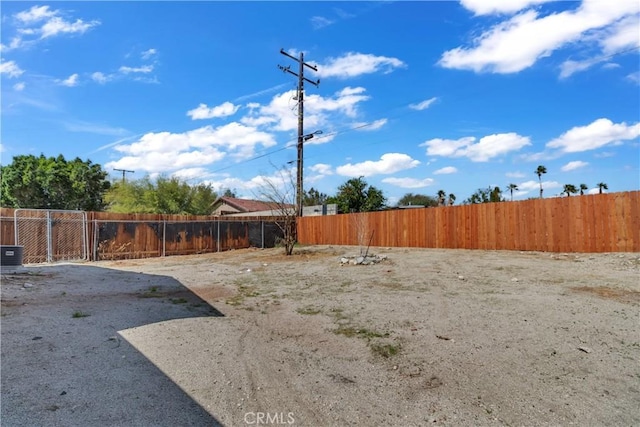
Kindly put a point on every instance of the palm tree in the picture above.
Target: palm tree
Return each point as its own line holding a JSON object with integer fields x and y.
{"x": 583, "y": 188}
{"x": 570, "y": 189}
{"x": 541, "y": 170}
{"x": 601, "y": 186}
{"x": 441, "y": 197}
{"x": 452, "y": 199}
{"x": 512, "y": 188}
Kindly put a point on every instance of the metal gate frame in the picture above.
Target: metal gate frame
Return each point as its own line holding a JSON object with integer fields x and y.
{"x": 52, "y": 217}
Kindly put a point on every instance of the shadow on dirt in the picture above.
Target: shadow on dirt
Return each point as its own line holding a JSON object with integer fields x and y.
{"x": 64, "y": 362}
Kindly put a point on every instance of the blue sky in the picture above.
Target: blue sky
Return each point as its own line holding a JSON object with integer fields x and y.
{"x": 414, "y": 96}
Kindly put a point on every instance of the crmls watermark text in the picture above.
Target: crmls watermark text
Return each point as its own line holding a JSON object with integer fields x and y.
{"x": 269, "y": 418}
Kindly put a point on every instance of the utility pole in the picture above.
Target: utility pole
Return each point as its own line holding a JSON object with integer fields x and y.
{"x": 123, "y": 172}
{"x": 301, "y": 136}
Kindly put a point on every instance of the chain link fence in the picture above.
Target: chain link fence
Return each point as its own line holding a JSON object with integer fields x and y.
{"x": 51, "y": 235}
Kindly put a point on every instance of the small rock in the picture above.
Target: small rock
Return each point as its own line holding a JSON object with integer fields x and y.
{"x": 585, "y": 349}
{"x": 63, "y": 393}
{"x": 515, "y": 279}
{"x": 28, "y": 285}
{"x": 461, "y": 277}
{"x": 344, "y": 260}
{"x": 36, "y": 338}
{"x": 360, "y": 260}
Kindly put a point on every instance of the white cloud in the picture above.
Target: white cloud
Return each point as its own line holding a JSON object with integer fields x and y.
{"x": 532, "y": 185}
{"x": 445, "y": 170}
{"x": 634, "y": 77}
{"x": 515, "y": 175}
{"x": 19, "y": 87}
{"x": 389, "y": 163}
{"x": 597, "y": 134}
{"x": 11, "y": 69}
{"x": 191, "y": 173}
{"x": 364, "y": 126}
{"x": 35, "y": 14}
{"x": 70, "y": 81}
{"x": 41, "y": 22}
{"x": 57, "y": 25}
{"x": 518, "y": 42}
{"x": 424, "y": 104}
{"x": 621, "y": 36}
{"x": 204, "y": 112}
{"x": 570, "y": 67}
{"x": 408, "y": 182}
{"x": 354, "y": 64}
{"x": 319, "y": 171}
{"x": 281, "y": 113}
{"x": 488, "y": 7}
{"x": 577, "y": 164}
{"x": 165, "y": 151}
{"x": 485, "y": 149}
{"x": 617, "y": 38}
{"x": 100, "y": 77}
{"x": 322, "y": 169}
{"x": 320, "y": 22}
{"x": 143, "y": 69}
{"x": 148, "y": 54}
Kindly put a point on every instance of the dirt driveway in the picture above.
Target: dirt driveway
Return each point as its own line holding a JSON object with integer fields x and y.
{"x": 250, "y": 337}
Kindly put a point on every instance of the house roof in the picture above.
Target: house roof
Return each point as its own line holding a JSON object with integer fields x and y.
{"x": 246, "y": 205}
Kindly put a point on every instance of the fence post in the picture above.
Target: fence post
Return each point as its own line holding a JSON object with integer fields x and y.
{"x": 218, "y": 238}
{"x": 262, "y": 232}
{"x": 164, "y": 237}
{"x": 95, "y": 239}
{"x": 15, "y": 227}
{"x": 85, "y": 242}
{"x": 49, "y": 242}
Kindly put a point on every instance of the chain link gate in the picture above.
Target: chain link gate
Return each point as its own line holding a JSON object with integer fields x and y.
{"x": 51, "y": 235}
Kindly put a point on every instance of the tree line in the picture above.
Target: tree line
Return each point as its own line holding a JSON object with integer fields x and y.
{"x": 55, "y": 183}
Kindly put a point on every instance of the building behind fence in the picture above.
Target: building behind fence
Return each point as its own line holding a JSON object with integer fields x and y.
{"x": 589, "y": 223}
{"x": 50, "y": 235}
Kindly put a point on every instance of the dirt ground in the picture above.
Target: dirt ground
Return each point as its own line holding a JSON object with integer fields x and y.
{"x": 251, "y": 337}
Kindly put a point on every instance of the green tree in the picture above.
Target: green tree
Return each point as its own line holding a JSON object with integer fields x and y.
{"x": 411, "y": 199}
{"x": 602, "y": 186}
{"x": 485, "y": 195}
{"x": 583, "y": 188}
{"x": 356, "y": 195}
{"x": 570, "y": 189}
{"x": 165, "y": 195}
{"x": 441, "y": 197}
{"x": 452, "y": 199}
{"x": 512, "y": 188}
{"x": 53, "y": 183}
{"x": 229, "y": 193}
{"x": 541, "y": 170}
{"x": 313, "y": 197}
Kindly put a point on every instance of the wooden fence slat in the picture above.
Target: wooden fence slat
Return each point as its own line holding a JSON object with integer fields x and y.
{"x": 589, "y": 223}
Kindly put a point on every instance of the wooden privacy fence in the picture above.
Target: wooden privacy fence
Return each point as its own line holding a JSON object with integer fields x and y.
{"x": 106, "y": 235}
{"x": 589, "y": 223}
